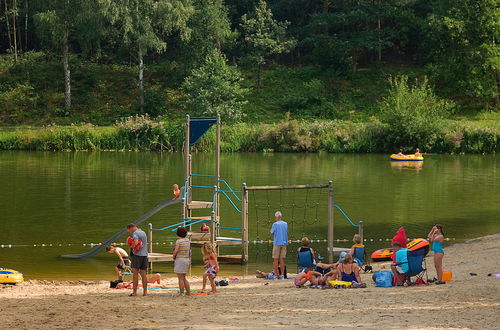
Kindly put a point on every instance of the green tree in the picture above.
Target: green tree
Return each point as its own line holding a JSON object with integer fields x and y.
{"x": 214, "y": 88}
{"x": 413, "y": 113}
{"x": 210, "y": 27}
{"x": 145, "y": 24}
{"x": 464, "y": 47}
{"x": 265, "y": 36}
{"x": 58, "y": 22}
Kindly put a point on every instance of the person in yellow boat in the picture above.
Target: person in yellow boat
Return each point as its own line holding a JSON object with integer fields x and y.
{"x": 400, "y": 153}
{"x": 176, "y": 191}
{"x": 417, "y": 153}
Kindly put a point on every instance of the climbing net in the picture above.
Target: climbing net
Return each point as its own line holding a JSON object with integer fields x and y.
{"x": 305, "y": 211}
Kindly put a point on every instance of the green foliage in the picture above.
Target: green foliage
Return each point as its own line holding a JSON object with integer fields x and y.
{"x": 463, "y": 43}
{"x": 264, "y": 36}
{"x": 18, "y": 103}
{"x": 413, "y": 113}
{"x": 211, "y": 28}
{"x": 214, "y": 88}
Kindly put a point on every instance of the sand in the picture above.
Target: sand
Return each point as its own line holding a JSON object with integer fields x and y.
{"x": 467, "y": 302}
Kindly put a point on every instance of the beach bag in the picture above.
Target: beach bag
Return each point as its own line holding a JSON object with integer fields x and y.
{"x": 383, "y": 279}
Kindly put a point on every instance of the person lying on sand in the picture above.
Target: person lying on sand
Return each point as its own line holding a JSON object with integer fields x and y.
{"x": 307, "y": 275}
{"x": 155, "y": 278}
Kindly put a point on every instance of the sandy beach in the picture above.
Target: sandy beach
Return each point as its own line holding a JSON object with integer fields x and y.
{"x": 467, "y": 302}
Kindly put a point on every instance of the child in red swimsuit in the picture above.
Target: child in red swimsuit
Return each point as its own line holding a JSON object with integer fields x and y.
{"x": 211, "y": 267}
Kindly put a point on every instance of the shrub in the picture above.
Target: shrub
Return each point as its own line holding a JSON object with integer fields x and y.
{"x": 413, "y": 113}
{"x": 18, "y": 103}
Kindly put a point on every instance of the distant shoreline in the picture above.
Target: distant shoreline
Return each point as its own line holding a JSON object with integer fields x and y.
{"x": 333, "y": 136}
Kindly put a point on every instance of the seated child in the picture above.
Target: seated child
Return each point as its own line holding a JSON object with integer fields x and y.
{"x": 124, "y": 260}
{"x": 307, "y": 275}
{"x": 211, "y": 266}
{"x": 205, "y": 228}
{"x": 305, "y": 247}
{"x": 348, "y": 271}
{"x": 128, "y": 285}
{"x": 176, "y": 191}
{"x": 358, "y": 243}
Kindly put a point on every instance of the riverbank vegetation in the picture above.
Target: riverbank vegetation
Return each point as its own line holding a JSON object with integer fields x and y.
{"x": 366, "y": 76}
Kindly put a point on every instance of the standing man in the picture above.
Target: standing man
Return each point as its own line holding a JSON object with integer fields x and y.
{"x": 139, "y": 264}
{"x": 280, "y": 233}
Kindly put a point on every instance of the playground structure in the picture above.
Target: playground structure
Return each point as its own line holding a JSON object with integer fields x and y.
{"x": 195, "y": 128}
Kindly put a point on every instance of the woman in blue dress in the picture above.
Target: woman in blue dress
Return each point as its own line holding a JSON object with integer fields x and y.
{"x": 436, "y": 236}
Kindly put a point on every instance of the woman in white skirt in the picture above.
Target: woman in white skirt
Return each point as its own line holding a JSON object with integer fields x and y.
{"x": 182, "y": 252}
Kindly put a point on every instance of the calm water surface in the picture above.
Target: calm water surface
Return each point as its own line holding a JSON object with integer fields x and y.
{"x": 76, "y": 198}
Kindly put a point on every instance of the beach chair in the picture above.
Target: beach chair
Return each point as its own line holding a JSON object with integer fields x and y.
{"x": 360, "y": 259}
{"x": 417, "y": 266}
{"x": 305, "y": 260}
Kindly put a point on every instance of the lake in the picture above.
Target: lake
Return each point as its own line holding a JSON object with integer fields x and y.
{"x": 67, "y": 199}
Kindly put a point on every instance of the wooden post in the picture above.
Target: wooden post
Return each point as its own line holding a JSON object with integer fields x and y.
{"x": 244, "y": 225}
{"x": 187, "y": 173}
{"x": 150, "y": 244}
{"x": 360, "y": 228}
{"x": 217, "y": 174}
{"x": 330, "y": 221}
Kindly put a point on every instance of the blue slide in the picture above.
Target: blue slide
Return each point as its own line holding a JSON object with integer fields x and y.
{"x": 117, "y": 235}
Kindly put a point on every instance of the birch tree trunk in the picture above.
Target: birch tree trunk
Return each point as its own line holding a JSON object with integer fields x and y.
{"x": 14, "y": 33}
{"x": 25, "y": 25}
{"x": 141, "y": 80}
{"x": 7, "y": 23}
{"x": 67, "y": 73}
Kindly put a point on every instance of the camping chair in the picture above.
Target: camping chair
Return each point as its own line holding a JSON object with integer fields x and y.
{"x": 305, "y": 260}
{"x": 416, "y": 265}
{"x": 360, "y": 255}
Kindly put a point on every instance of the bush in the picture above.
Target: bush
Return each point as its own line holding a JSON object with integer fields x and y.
{"x": 18, "y": 103}
{"x": 413, "y": 114}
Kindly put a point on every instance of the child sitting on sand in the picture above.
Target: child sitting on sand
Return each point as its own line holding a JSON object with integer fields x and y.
{"x": 211, "y": 266}
{"x": 124, "y": 260}
{"x": 307, "y": 275}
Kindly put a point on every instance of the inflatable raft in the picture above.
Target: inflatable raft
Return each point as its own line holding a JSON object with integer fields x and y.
{"x": 9, "y": 276}
{"x": 406, "y": 158}
{"x": 386, "y": 254}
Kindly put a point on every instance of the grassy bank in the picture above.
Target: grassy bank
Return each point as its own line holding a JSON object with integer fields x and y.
{"x": 141, "y": 133}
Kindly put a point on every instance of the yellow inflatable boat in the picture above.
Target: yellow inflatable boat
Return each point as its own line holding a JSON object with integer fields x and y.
{"x": 10, "y": 276}
{"x": 406, "y": 158}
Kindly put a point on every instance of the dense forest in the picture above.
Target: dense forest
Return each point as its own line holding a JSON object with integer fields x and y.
{"x": 101, "y": 60}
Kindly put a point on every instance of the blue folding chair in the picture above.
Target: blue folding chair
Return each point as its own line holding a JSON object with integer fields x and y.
{"x": 416, "y": 265}
{"x": 305, "y": 260}
{"x": 360, "y": 259}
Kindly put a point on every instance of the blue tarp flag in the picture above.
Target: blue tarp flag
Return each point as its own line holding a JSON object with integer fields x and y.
{"x": 198, "y": 127}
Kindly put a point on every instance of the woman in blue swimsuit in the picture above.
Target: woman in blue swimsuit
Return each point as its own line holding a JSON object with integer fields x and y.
{"x": 436, "y": 236}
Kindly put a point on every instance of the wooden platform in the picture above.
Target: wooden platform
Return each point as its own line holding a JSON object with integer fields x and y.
{"x": 198, "y": 236}
{"x": 221, "y": 241}
{"x": 232, "y": 258}
{"x": 159, "y": 257}
{"x": 199, "y": 205}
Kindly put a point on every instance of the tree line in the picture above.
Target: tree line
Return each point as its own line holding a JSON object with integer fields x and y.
{"x": 454, "y": 40}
